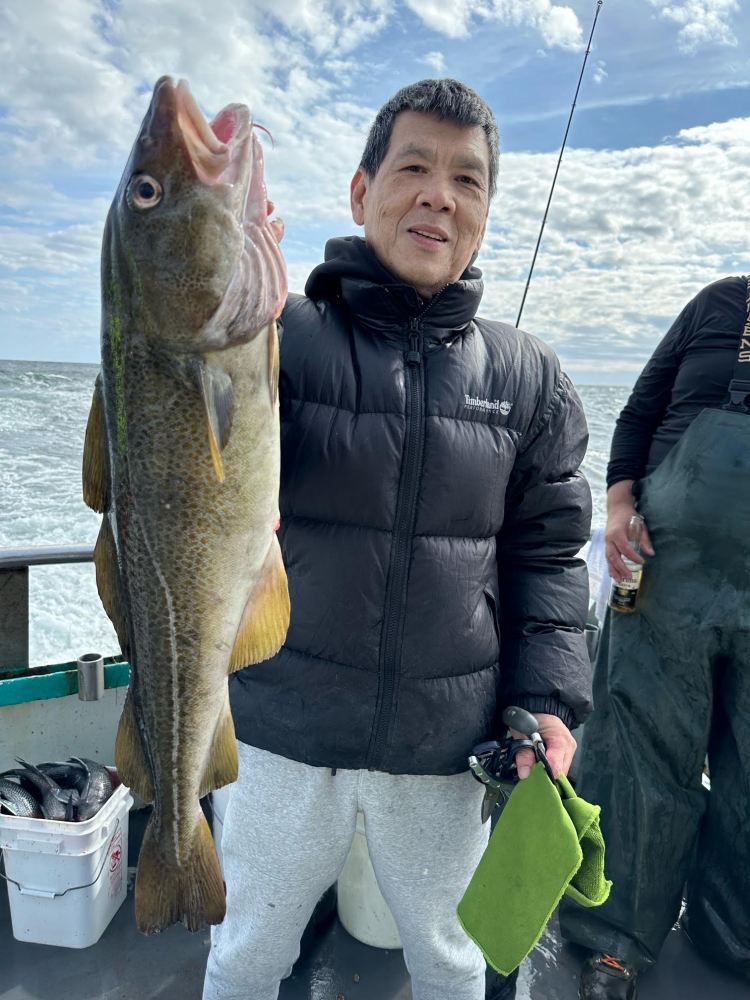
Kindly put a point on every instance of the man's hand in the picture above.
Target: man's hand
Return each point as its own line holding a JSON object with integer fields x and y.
{"x": 620, "y": 509}
{"x": 559, "y": 743}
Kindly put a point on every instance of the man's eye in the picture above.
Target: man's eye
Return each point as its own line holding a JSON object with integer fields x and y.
{"x": 414, "y": 168}
{"x": 467, "y": 180}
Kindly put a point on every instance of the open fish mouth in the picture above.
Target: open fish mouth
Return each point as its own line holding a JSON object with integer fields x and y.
{"x": 226, "y": 151}
{"x": 217, "y": 148}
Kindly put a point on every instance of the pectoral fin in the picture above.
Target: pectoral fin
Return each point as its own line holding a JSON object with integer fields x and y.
{"x": 95, "y": 464}
{"x": 266, "y": 619}
{"x": 108, "y": 581}
{"x": 215, "y": 387}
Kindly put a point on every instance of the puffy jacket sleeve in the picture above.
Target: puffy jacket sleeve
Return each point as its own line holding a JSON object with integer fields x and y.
{"x": 544, "y": 591}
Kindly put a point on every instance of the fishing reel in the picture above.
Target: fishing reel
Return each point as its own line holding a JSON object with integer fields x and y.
{"x": 494, "y": 763}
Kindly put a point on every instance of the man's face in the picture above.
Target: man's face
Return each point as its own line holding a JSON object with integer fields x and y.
{"x": 425, "y": 210}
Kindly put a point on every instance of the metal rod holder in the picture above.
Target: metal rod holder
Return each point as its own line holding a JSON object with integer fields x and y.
{"x": 90, "y": 677}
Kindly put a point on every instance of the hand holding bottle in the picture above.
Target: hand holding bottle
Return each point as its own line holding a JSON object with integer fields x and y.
{"x": 620, "y": 512}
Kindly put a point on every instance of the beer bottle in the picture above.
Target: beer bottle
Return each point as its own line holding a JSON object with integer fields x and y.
{"x": 623, "y": 594}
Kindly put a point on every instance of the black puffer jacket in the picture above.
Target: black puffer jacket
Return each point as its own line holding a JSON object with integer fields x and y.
{"x": 430, "y": 502}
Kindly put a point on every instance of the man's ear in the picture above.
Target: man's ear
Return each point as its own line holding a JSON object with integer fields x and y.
{"x": 357, "y": 191}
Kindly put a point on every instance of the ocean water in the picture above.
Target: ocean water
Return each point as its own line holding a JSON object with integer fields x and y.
{"x": 43, "y": 413}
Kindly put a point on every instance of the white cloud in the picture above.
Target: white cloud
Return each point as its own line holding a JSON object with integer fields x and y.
{"x": 68, "y": 104}
{"x": 557, "y": 25}
{"x": 702, "y": 22}
{"x": 336, "y": 24}
{"x": 61, "y": 90}
{"x": 599, "y": 74}
{"x": 631, "y": 236}
{"x": 74, "y": 78}
{"x": 449, "y": 19}
{"x": 632, "y": 233}
{"x": 59, "y": 251}
{"x": 436, "y": 62}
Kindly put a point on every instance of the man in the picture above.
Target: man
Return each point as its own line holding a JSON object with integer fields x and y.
{"x": 672, "y": 681}
{"x": 430, "y": 502}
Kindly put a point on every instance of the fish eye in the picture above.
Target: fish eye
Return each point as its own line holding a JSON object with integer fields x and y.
{"x": 144, "y": 192}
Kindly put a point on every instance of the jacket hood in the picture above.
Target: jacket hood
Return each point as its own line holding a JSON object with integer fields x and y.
{"x": 352, "y": 272}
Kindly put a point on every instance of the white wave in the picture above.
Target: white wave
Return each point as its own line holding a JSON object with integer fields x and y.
{"x": 43, "y": 413}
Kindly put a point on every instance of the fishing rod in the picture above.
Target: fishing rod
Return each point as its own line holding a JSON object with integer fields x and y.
{"x": 559, "y": 159}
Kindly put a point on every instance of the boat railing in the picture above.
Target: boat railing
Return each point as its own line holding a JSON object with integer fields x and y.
{"x": 14, "y": 594}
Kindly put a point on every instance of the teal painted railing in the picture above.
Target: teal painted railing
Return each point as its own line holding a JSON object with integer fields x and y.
{"x": 20, "y": 684}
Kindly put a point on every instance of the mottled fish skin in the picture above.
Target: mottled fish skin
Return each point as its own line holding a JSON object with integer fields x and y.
{"x": 182, "y": 457}
{"x": 91, "y": 780}
{"x": 67, "y": 774}
{"x": 18, "y": 801}
{"x": 57, "y": 803}
{"x": 97, "y": 788}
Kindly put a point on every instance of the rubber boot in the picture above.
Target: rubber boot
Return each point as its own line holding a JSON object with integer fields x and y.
{"x": 604, "y": 977}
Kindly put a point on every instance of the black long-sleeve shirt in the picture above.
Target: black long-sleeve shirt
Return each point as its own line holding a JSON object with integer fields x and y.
{"x": 689, "y": 370}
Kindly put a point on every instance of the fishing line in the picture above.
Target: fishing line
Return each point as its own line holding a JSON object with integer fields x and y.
{"x": 559, "y": 159}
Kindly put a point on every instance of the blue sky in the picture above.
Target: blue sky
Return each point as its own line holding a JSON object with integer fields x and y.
{"x": 651, "y": 203}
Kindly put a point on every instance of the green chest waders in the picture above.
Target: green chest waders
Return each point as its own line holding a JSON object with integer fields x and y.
{"x": 672, "y": 684}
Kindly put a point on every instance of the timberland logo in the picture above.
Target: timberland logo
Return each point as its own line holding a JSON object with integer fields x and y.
{"x": 488, "y": 405}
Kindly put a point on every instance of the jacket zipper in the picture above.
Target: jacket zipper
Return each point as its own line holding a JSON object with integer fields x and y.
{"x": 403, "y": 533}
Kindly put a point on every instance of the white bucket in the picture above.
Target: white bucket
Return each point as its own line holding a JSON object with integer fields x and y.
{"x": 67, "y": 880}
{"x": 361, "y": 907}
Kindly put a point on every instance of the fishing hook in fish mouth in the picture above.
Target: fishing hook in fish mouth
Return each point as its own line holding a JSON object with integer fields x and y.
{"x": 267, "y": 131}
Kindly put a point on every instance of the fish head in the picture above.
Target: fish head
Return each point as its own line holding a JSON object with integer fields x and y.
{"x": 188, "y": 248}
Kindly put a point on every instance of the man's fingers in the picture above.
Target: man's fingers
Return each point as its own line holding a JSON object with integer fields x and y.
{"x": 277, "y": 228}
{"x": 614, "y": 550}
{"x": 627, "y": 550}
{"x": 525, "y": 760}
{"x": 618, "y": 543}
{"x": 559, "y": 742}
{"x": 277, "y": 225}
{"x": 617, "y": 568}
{"x": 560, "y": 756}
{"x": 560, "y": 759}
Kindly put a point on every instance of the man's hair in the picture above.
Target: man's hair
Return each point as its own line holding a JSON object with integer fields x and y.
{"x": 449, "y": 100}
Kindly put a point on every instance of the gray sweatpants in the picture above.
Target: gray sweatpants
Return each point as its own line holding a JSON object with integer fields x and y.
{"x": 287, "y": 831}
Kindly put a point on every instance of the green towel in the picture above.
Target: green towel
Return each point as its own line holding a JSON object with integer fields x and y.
{"x": 547, "y": 841}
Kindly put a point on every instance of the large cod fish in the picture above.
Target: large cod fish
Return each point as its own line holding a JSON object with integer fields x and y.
{"x": 182, "y": 458}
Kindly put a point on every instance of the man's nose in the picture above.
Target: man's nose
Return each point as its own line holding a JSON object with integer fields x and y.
{"x": 437, "y": 194}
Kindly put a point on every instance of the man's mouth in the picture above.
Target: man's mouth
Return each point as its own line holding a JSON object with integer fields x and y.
{"x": 428, "y": 233}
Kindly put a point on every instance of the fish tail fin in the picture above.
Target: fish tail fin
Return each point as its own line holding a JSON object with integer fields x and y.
{"x": 166, "y": 892}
